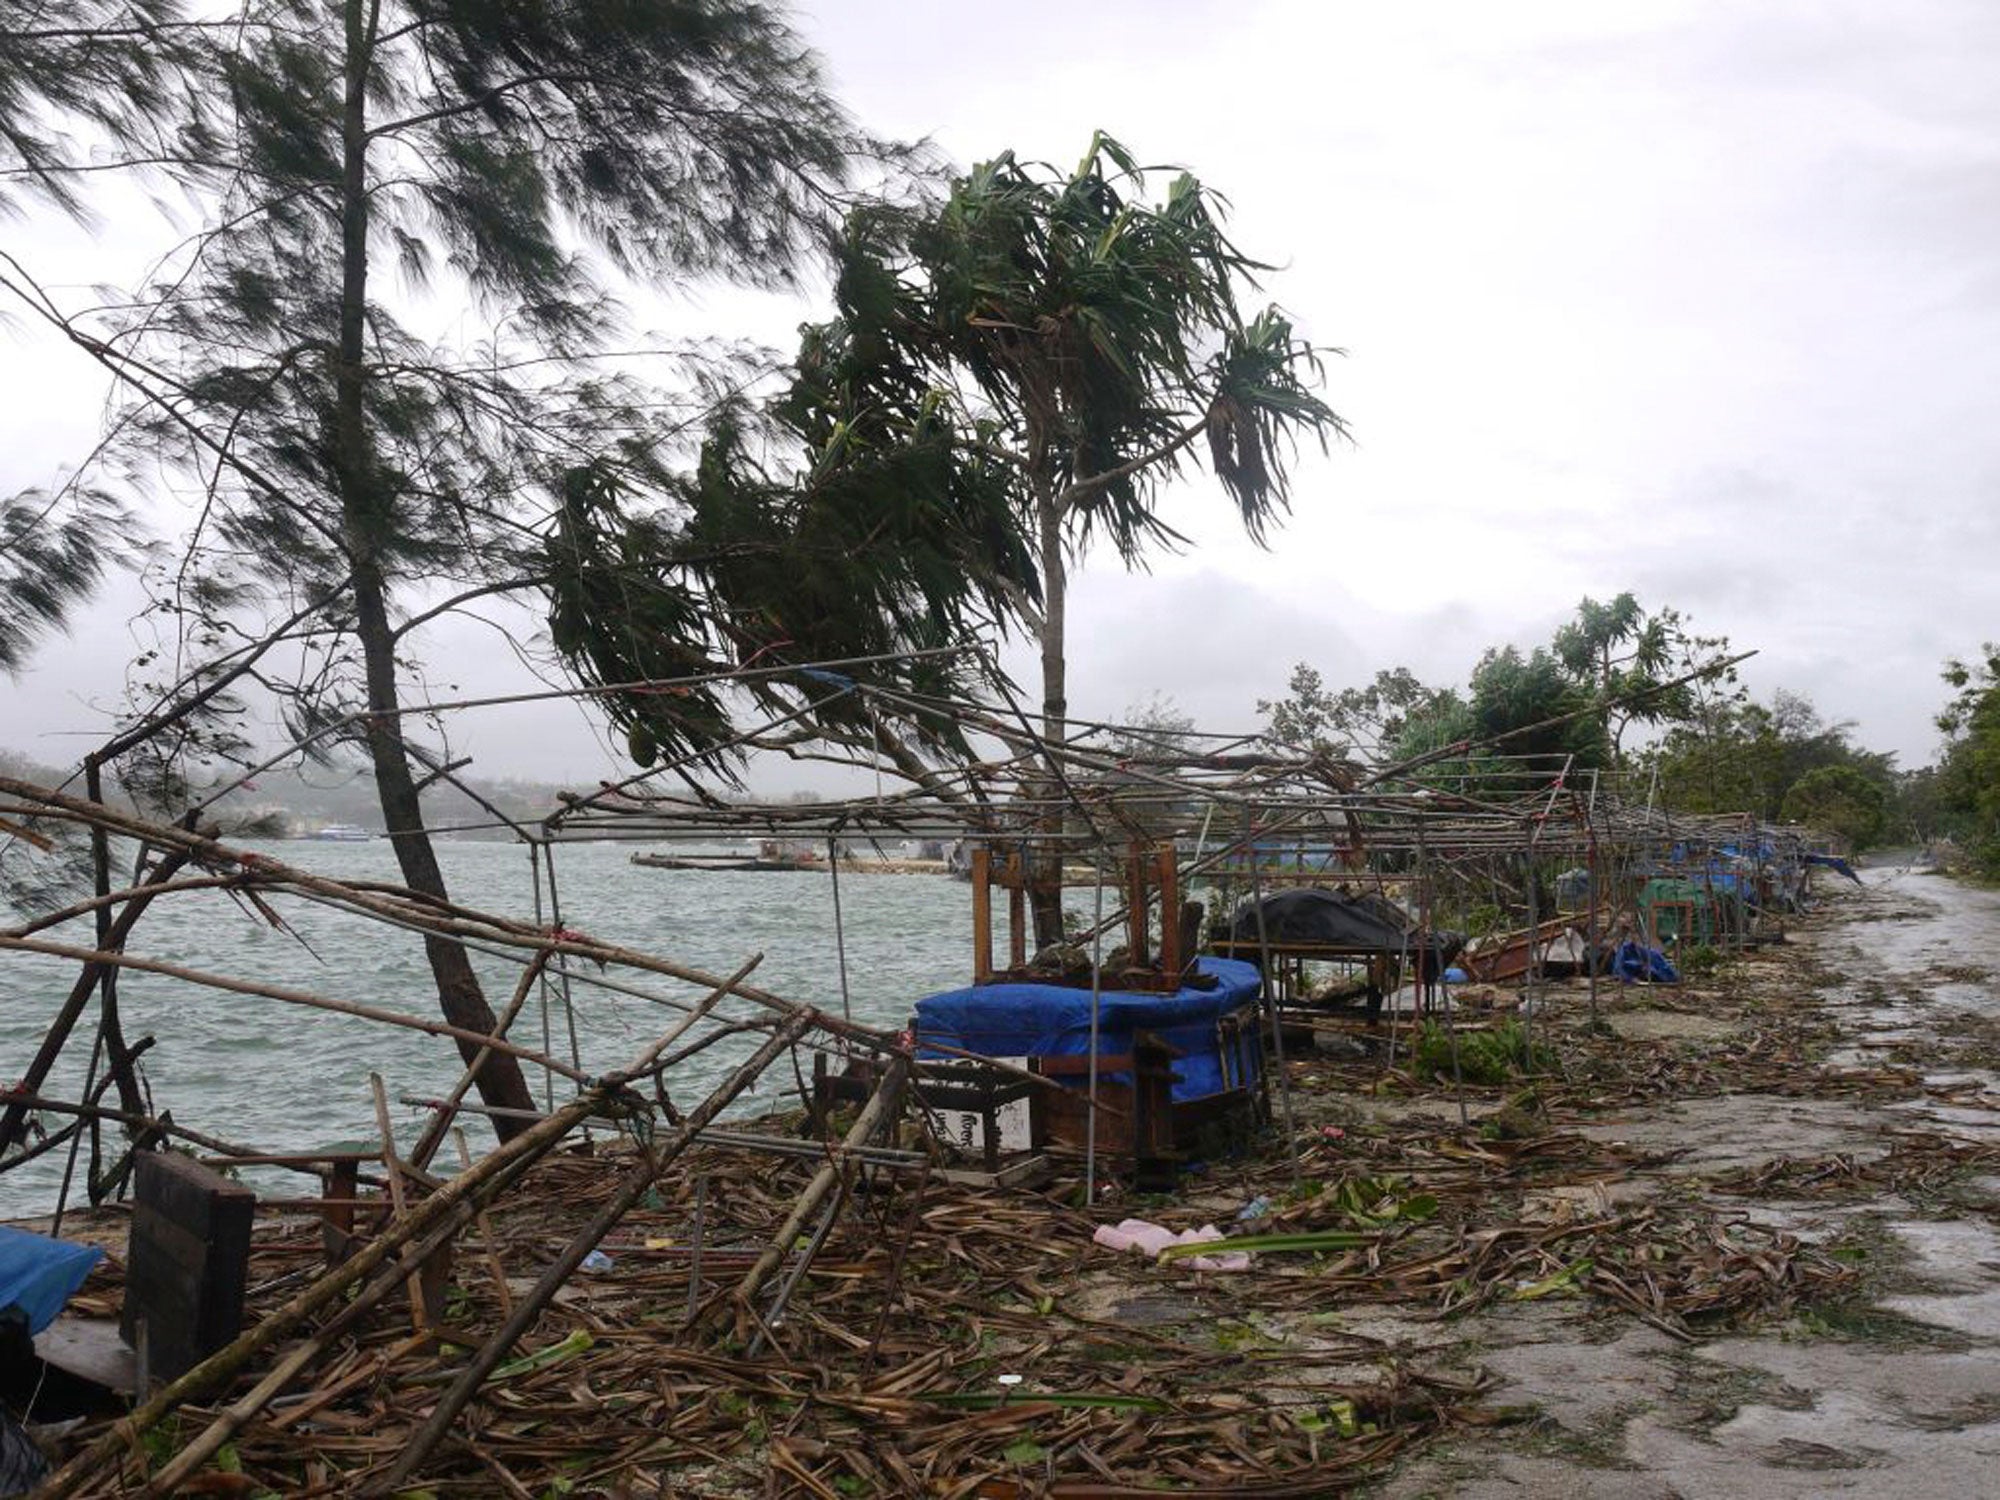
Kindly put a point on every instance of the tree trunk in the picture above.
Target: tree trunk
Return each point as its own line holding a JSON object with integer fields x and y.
{"x": 1045, "y": 898}
{"x": 366, "y": 518}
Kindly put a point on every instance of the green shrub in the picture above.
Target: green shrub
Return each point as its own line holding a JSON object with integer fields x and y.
{"x": 1492, "y": 1056}
{"x": 1702, "y": 958}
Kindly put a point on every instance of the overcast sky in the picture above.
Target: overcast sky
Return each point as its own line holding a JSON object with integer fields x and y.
{"x": 1697, "y": 300}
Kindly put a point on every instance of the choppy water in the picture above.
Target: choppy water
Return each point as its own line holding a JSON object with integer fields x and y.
{"x": 281, "y": 1077}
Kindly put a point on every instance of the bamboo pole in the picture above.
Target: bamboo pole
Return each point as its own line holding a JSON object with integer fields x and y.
{"x": 449, "y": 1208}
{"x": 630, "y": 1191}
{"x": 888, "y": 1093}
{"x": 57, "y": 1035}
{"x": 290, "y": 997}
{"x": 487, "y": 1238}
{"x": 435, "y": 916}
{"x": 432, "y": 1135}
{"x": 1270, "y": 1000}
{"x": 419, "y": 1322}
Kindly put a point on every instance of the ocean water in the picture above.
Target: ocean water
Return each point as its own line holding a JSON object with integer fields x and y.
{"x": 274, "y": 1076}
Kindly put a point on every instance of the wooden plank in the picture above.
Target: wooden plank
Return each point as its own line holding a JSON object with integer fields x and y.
{"x": 187, "y": 1261}
{"x": 190, "y": 1194}
{"x": 90, "y": 1349}
{"x": 1029, "y": 1169}
{"x": 982, "y": 914}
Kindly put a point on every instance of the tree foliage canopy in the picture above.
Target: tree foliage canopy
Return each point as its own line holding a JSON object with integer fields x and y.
{"x": 1968, "y": 779}
{"x": 1089, "y": 338}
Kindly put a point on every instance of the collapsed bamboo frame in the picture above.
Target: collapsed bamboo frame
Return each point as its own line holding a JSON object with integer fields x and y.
{"x": 1436, "y": 832}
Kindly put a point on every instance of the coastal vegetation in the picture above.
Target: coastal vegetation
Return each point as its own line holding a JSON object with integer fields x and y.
{"x": 1965, "y": 791}
{"x": 1705, "y": 745}
{"x": 1019, "y": 359}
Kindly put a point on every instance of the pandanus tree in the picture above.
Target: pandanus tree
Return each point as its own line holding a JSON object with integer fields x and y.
{"x": 383, "y": 368}
{"x": 1083, "y": 343}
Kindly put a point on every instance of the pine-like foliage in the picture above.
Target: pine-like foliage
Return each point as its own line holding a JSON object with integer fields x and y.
{"x": 390, "y": 365}
{"x": 83, "y": 83}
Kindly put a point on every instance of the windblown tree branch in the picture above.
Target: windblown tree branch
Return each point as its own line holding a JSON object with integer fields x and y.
{"x": 502, "y": 154}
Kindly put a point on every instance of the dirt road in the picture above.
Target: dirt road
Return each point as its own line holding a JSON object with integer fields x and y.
{"x": 1891, "y": 1390}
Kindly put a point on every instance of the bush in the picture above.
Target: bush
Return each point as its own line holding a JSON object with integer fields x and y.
{"x": 1494, "y": 1056}
{"x": 1702, "y": 958}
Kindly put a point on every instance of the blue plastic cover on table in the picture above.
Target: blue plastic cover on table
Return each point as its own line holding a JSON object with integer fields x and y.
{"x": 1053, "y": 1020}
{"x": 38, "y": 1274}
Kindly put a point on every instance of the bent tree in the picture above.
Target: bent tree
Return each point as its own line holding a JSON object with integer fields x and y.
{"x": 426, "y": 165}
{"x": 1090, "y": 342}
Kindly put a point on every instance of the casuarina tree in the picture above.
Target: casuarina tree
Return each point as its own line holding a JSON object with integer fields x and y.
{"x": 376, "y": 178}
{"x": 83, "y": 74}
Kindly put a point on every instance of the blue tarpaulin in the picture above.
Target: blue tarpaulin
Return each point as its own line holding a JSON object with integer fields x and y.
{"x": 1650, "y": 964}
{"x": 38, "y": 1274}
{"x": 1051, "y": 1020}
{"x": 1836, "y": 863}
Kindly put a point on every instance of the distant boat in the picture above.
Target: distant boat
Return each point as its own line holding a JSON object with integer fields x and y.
{"x": 341, "y": 833}
{"x": 766, "y": 861}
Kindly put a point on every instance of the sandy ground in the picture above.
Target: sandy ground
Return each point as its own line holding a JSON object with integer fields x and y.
{"x": 1898, "y": 1395}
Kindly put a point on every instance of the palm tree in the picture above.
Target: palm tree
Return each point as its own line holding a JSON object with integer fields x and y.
{"x": 1092, "y": 344}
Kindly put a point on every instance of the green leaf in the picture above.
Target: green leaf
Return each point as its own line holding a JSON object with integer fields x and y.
{"x": 1565, "y": 1277}
{"x": 542, "y": 1359}
{"x": 1272, "y": 1244}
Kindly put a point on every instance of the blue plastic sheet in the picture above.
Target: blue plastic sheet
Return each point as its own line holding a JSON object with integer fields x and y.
{"x": 1632, "y": 962}
{"x": 39, "y": 1275}
{"x": 1049, "y": 1020}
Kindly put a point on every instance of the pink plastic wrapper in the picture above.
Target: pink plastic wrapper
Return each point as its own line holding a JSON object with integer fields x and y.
{"x": 1149, "y": 1239}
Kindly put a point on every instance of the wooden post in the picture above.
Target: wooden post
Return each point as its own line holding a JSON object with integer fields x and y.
{"x": 1135, "y": 906}
{"x": 187, "y": 1262}
{"x": 982, "y": 914}
{"x": 343, "y": 1187}
{"x": 1017, "y": 910}
{"x": 1173, "y": 961}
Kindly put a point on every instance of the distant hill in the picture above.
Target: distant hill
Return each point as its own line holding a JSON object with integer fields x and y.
{"x": 298, "y": 801}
